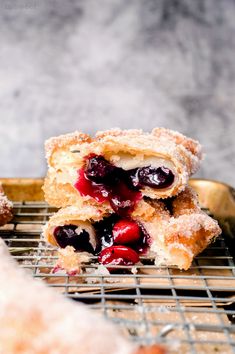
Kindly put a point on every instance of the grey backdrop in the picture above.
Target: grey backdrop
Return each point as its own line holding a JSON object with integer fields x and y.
{"x": 95, "y": 64}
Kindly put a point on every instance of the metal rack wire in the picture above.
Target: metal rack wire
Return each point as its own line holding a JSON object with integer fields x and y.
{"x": 193, "y": 310}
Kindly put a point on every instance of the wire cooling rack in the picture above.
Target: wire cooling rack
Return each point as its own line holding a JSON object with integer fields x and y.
{"x": 192, "y": 310}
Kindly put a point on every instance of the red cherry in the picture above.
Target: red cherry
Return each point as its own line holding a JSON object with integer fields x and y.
{"x": 118, "y": 255}
{"x": 87, "y": 187}
{"x": 126, "y": 232}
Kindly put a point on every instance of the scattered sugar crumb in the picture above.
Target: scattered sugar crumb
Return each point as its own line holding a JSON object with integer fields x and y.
{"x": 101, "y": 270}
{"x": 71, "y": 261}
{"x": 134, "y": 270}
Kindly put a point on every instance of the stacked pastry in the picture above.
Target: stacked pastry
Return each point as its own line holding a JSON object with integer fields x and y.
{"x": 124, "y": 194}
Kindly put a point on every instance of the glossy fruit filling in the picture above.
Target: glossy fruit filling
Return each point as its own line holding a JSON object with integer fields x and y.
{"x": 118, "y": 255}
{"x": 103, "y": 181}
{"x": 119, "y": 241}
{"x": 67, "y": 236}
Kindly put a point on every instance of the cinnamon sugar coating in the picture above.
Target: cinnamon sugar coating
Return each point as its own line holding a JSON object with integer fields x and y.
{"x": 61, "y": 143}
{"x": 178, "y": 237}
{"x": 190, "y": 144}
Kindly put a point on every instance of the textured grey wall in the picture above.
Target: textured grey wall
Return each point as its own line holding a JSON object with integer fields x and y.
{"x": 95, "y": 64}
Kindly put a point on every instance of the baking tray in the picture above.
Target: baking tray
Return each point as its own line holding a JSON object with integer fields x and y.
{"x": 192, "y": 311}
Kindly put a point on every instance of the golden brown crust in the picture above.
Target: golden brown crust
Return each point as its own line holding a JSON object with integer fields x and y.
{"x": 178, "y": 238}
{"x": 183, "y": 157}
{"x": 189, "y": 149}
{"x": 138, "y": 142}
{"x": 186, "y": 203}
{"x": 190, "y": 144}
{"x": 57, "y": 194}
{"x": 64, "y": 142}
{"x": 6, "y": 208}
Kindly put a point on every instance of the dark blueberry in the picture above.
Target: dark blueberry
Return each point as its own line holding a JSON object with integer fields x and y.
{"x": 131, "y": 179}
{"x": 99, "y": 170}
{"x": 106, "y": 240}
{"x": 104, "y": 232}
{"x": 160, "y": 177}
{"x": 67, "y": 236}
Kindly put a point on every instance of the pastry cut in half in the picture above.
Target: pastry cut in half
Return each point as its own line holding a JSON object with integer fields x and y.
{"x": 172, "y": 231}
{"x": 119, "y": 167}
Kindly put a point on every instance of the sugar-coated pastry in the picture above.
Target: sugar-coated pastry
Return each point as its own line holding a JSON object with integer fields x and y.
{"x": 191, "y": 145}
{"x": 173, "y": 231}
{"x": 37, "y": 320}
{"x": 178, "y": 232}
{"x": 63, "y": 165}
{"x": 71, "y": 261}
{"x": 83, "y": 217}
{"x": 6, "y": 208}
{"x": 119, "y": 167}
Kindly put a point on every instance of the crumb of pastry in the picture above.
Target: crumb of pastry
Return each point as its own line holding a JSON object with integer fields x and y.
{"x": 101, "y": 270}
{"x": 71, "y": 261}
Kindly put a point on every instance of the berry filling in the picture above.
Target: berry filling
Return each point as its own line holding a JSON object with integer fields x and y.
{"x": 119, "y": 241}
{"x": 66, "y": 236}
{"x": 118, "y": 255}
{"x": 160, "y": 177}
{"x": 104, "y": 232}
{"x": 99, "y": 170}
{"x": 86, "y": 187}
{"x": 126, "y": 232}
{"x": 103, "y": 181}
